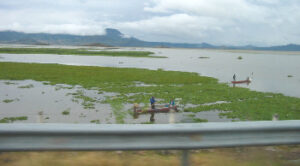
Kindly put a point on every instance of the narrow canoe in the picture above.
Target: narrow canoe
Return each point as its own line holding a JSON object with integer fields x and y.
{"x": 241, "y": 82}
{"x": 158, "y": 110}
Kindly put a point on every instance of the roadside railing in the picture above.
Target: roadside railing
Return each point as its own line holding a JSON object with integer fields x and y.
{"x": 47, "y": 137}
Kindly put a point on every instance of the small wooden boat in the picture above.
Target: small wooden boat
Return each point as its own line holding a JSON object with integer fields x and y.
{"x": 157, "y": 110}
{"x": 241, "y": 82}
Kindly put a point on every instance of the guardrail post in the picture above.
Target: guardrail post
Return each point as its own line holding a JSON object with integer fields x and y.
{"x": 185, "y": 158}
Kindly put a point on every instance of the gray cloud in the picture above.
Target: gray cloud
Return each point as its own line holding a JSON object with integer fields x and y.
{"x": 237, "y": 22}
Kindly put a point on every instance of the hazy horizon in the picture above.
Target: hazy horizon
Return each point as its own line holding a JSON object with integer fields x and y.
{"x": 228, "y": 22}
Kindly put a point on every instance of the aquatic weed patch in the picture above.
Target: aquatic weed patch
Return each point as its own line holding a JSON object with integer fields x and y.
{"x": 203, "y": 57}
{"x": 95, "y": 121}
{"x": 86, "y": 101}
{"x": 7, "y": 100}
{"x": 193, "y": 89}
{"x": 117, "y": 108}
{"x": 65, "y": 51}
{"x": 66, "y": 112}
{"x": 9, "y": 83}
{"x": 12, "y": 119}
{"x": 26, "y": 86}
{"x": 198, "y": 120}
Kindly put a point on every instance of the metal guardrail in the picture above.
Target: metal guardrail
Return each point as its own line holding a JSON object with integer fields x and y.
{"x": 32, "y": 137}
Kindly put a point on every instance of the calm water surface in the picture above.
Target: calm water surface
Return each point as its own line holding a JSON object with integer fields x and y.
{"x": 270, "y": 69}
{"x": 43, "y": 103}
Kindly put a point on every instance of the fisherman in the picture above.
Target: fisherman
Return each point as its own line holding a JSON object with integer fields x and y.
{"x": 172, "y": 103}
{"x": 152, "y": 102}
{"x": 234, "y": 77}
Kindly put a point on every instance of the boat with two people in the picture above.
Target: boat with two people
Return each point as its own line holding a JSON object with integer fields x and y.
{"x": 247, "y": 81}
{"x": 163, "y": 108}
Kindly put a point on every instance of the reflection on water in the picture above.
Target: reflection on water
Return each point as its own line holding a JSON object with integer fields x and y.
{"x": 270, "y": 70}
{"x": 178, "y": 117}
{"x": 44, "y": 103}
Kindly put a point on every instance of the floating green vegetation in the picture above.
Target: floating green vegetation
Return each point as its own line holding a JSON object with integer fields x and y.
{"x": 290, "y": 76}
{"x": 88, "y": 105}
{"x": 12, "y": 119}
{"x": 26, "y": 86}
{"x": 243, "y": 103}
{"x": 95, "y": 121}
{"x": 203, "y": 57}
{"x": 9, "y": 83}
{"x": 240, "y": 58}
{"x": 7, "y": 100}
{"x": 147, "y": 123}
{"x": 191, "y": 115}
{"x": 46, "y": 83}
{"x": 66, "y": 112}
{"x": 117, "y": 107}
{"x": 198, "y": 120}
{"x": 64, "y": 51}
{"x": 87, "y": 102}
{"x": 59, "y": 87}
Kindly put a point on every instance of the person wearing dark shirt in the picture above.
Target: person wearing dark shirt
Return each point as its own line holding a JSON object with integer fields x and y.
{"x": 172, "y": 103}
{"x": 152, "y": 102}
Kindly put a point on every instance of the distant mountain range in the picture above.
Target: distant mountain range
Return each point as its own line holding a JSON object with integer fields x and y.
{"x": 113, "y": 37}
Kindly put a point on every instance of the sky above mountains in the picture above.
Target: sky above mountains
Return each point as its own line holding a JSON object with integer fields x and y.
{"x": 219, "y": 22}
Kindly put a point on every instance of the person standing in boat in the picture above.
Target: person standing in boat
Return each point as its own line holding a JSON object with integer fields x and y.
{"x": 152, "y": 102}
{"x": 172, "y": 103}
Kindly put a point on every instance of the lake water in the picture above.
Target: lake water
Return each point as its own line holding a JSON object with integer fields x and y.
{"x": 270, "y": 69}
{"x": 45, "y": 103}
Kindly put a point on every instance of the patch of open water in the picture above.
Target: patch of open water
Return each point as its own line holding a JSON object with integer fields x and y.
{"x": 44, "y": 103}
{"x": 50, "y": 101}
{"x": 270, "y": 70}
{"x": 180, "y": 117}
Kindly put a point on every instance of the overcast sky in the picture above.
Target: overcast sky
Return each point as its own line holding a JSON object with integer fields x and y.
{"x": 220, "y": 22}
